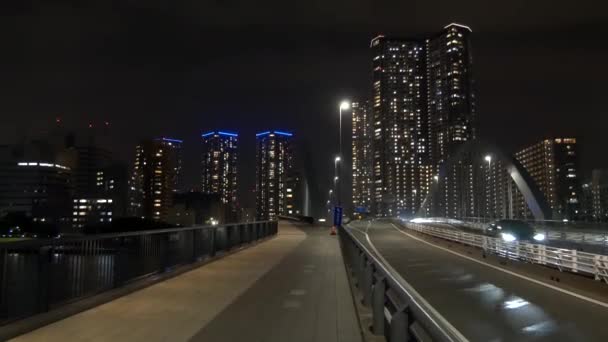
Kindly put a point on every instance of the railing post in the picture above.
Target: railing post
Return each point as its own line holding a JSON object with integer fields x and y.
{"x": 212, "y": 244}
{"x": 117, "y": 266}
{"x": 400, "y": 327}
{"x": 3, "y": 274}
{"x": 378, "y": 290}
{"x": 361, "y": 270}
{"x": 366, "y": 288}
{"x": 44, "y": 278}
{"x": 194, "y": 246}
{"x": 355, "y": 263}
{"x": 164, "y": 251}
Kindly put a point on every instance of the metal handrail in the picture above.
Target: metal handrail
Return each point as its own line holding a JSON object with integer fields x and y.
{"x": 564, "y": 259}
{"x": 39, "y": 275}
{"x": 395, "y": 303}
{"x": 72, "y": 238}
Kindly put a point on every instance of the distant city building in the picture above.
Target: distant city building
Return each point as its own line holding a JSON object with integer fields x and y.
{"x": 587, "y": 210}
{"x": 274, "y": 162}
{"x": 35, "y": 185}
{"x": 156, "y": 177}
{"x": 553, "y": 165}
{"x": 100, "y": 187}
{"x": 246, "y": 215}
{"x": 108, "y": 201}
{"x": 40, "y": 190}
{"x": 423, "y": 108}
{"x": 362, "y": 156}
{"x": 599, "y": 195}
{"x": 195, "y": 208}
{"x": 219, "y": 168}
{"x": 87, "y": 211}
{"x": 294, "y": 193}
{"x": 85, "y": 161}
{"x": 451, "y": 93}
{"x": 175, "y": 160}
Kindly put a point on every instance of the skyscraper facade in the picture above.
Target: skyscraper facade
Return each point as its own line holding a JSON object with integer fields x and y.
{"x": 175, "y": 162}
{"x": 423, "y": 109}
{"x": 362, "y": 131}
{"x": 451, "y": 94}
{"x": 274, "y": 162}
{"x": 553, "y": 165}
{"x": 599, "y": 191}
{"x": 219, "y": 167}
{"x": 40, "y": 190}
{"x": 156, "y": 176}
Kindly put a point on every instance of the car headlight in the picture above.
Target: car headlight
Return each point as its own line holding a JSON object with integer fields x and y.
{"x": 539, "y": 237}
{"x": 508, "y": 237}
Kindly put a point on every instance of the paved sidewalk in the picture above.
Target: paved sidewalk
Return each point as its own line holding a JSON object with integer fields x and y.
{"x": 291, "y": 288}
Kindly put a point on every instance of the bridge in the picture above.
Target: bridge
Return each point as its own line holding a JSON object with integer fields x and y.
{"x": 382, "y": 279}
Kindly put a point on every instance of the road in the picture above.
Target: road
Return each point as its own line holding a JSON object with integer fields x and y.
{"x": 483, "y": 303}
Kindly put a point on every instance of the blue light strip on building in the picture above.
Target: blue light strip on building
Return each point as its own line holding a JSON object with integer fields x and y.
{"x": 228, "y": 134}
{"x": 263, "y": 133}
{"x": 173, "y": 140}
{"x": 284, "y": 133}
{"x": 207, "y": 134}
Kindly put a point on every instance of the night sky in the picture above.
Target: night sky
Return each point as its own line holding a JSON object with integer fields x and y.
{"x": 179, "y": 68}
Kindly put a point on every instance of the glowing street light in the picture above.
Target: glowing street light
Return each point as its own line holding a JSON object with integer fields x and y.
{"x": 344, "y": 105}
{"x": 488, "y": 158}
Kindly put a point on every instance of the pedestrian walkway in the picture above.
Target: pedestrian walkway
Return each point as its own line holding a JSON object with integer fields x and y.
{"x": 291, "y": 288}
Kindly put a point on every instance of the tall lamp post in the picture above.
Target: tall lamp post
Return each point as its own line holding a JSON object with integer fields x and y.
{"x": 337, "y": 179}
{"x": 344, "y": 105}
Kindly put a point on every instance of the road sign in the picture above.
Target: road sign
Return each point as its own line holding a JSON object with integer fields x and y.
{"x": 337, "y": 216}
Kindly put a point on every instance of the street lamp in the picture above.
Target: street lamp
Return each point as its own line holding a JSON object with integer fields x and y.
{"x": 488, "y": 158}
{"x": 344, "y": 105}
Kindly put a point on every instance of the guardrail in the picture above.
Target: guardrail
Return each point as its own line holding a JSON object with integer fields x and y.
{"x": 570, "y": 260}
{"x": 39, "y": 275}
{"x": 398, "y": 312}
{"x": 578, "y": 232}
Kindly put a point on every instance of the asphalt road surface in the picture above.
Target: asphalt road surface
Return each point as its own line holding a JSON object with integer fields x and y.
{"x": 483, "y": 303}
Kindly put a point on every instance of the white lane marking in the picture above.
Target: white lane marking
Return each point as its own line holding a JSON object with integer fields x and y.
{"x": 573, "y": 294}
{"x": 291, "y": 304}
{"x": 297, "y": 292}
{"x": 400, "y": 279}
